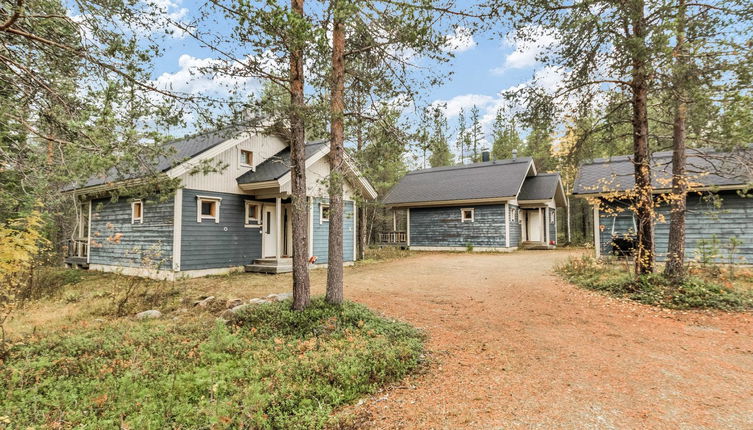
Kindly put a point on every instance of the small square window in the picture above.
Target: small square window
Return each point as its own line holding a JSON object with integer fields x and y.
{"x": 137, "y": 212}
{"x": 208, "y": 208}
{"x": 466, "y": 215}
{"x": 323, "y": 213}
{"x": 247, "y": 158}
{"x": 252, "y": 214}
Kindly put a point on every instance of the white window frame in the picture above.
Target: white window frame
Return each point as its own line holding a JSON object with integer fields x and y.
{"x": 249, "y": 222}
{"x": 473, "y": 214}
{"x": 242, "y": 159}
{"x": 200, "y": 200}
{"x": 134, "y": 218}
{"x": 321, "y": 213}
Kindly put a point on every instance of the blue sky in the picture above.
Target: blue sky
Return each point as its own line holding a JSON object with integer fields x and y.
{"x": 484, "y": 65}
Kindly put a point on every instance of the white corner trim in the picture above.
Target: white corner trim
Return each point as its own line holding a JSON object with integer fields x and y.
{"x": 310, "y": 236}
{"x": 507, "y": 225}
{"x": 597, "y": 231}
{"x": 177, "y": 227}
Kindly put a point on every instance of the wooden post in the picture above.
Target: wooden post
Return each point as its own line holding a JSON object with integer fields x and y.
{"x": 597, "y": 231}
{"x": 278, "y": 220}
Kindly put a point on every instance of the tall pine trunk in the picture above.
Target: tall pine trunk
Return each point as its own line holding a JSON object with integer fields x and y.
{"x": 644, "y": 207}
{"x": 337, "y": 137}
{"x": 675, "y": 268}
{"x": 301, "y": 284}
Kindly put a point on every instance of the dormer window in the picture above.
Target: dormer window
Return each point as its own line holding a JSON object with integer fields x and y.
{"x": 247, "y": 158}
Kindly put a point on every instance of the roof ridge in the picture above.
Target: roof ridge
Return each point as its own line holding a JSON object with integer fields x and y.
{"x": 471, "y": 166}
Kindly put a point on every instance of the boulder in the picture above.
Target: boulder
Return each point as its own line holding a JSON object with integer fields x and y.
{"x": 233, "y": 303}
{"x": 279, "y": 297}
{"x": 150, "y": 314}
{"x": 258, "y": 301}
{"x": 204, "y": 302}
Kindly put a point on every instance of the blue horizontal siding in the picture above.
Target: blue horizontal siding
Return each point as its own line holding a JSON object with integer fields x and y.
{"x": 117, "y": 242}
{"x": 320, "y": 233}
{"x": 442, "y": 226}
{"x": 210, "y": 245}
{"x": 704, "y": 221}
{"x": 515, "y": 227}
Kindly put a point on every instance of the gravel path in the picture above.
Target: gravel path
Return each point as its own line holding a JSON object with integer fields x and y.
{"x": 516, "y": 347}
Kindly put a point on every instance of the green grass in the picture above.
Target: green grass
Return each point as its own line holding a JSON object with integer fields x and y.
{"x": 655, "y": 289}
{"x": 271, "y": 368}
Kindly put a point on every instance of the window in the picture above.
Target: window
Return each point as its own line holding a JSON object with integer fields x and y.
{"x": 137, "y": 212}
{"x": 252, "y": 214}
{"x": 466, "y": 214}
{"x": 208, "y": 208}
{"x": 247, "y": 158}
{"x": 323, "y": 213}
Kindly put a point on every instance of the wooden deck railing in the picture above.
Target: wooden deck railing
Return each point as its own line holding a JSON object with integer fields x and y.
{"x": 393, "y": 237}
{"x": 78, "y": 248}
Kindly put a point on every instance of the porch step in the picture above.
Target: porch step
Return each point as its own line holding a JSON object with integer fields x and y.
{"x": 535, "y": 245}
{"x": 270, "y": 265}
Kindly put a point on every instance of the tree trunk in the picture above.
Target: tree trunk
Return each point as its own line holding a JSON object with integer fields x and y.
{"x": 301, "y": 284}
{"x": 675, "y": 268}
{"x": 644, "y": 208}
{"x": 335, "y": 255}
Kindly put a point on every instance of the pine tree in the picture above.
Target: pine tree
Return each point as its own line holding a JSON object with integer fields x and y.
{"x": 506, "y": 137}
{"x": 461, "y": 141}
{"x": 476, "y": 133}
{"x": 439, "y": 140}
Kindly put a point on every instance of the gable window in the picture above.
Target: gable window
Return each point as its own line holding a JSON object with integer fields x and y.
{"x": 323, "y": 213}
{"x": 466, "y": 214}
{"x": 252, "y": 214}
{"x": 247, "y": 158}
{"x": 208, "y": 208}
{"x": 137, "y": 212}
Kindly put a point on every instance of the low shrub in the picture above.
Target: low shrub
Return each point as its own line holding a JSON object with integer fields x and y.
{"x": 654, "y": 289}
{"x": 271, "y": 368}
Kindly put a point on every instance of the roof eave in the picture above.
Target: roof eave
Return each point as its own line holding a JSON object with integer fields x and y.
{"x": 448, "y": 202}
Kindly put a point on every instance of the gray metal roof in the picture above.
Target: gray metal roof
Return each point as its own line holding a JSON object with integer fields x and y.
{"x": 277, "y": 165}
{"x": 491, "y": 179}
{"x": 705, "y": 167}
{"x": 540, "y": 187}
{"x": 176, "y": 152}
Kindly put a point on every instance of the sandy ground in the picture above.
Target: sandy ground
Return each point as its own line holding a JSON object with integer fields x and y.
{"x": 513, "y": 346}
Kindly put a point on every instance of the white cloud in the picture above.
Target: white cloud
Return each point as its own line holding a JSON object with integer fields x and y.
{"x": 527, "y": 49}
{"x": 461, "y": 41}
{"x": 193, "y": 79}
{"x": 465, "y": 102}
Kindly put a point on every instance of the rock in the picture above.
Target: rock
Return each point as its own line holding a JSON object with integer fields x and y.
{"x": 205, "y": 302}
{"x": 233, "y": 303}
{"x": 150, "y": 314}
{"x": 279, "y": 297}
{"x": 99, "y": 320}
{"x": 258, "y": 301}
{"x": 230, "y": 314}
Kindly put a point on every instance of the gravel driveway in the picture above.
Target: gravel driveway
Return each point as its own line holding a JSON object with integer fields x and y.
{"x": 513, "y": 346}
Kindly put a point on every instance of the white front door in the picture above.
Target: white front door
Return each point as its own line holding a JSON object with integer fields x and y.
{"x": 269, "y": 234}
{"x": 534, "y": 225}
